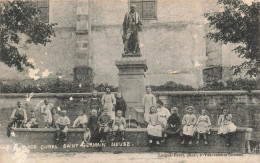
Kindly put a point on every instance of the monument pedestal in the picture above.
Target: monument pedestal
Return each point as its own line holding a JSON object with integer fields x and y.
{"x": 131, "y": 85}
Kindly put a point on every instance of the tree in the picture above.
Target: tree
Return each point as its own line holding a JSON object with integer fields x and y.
{"x": 19, "y": 19}
{"x": 238, "y": 23}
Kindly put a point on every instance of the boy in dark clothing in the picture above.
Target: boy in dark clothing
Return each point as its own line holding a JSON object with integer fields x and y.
{"x": 92, "y": 125}
{"x": 120, "y": 104}
{"x": 95, "y": 102}
{"x": 104, "y": 123}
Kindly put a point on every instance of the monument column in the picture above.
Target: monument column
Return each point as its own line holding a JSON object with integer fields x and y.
{"x": 83, "y": 73}
{"x": 131, "y": 84}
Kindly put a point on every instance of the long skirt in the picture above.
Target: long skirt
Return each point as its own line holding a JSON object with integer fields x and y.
{"x": 154, "y": 130}
{"x": 189, "y": 130}
{"x": 203, "y": 127}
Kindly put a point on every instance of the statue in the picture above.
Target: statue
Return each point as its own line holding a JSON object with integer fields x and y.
{"x": 131, "y": 26}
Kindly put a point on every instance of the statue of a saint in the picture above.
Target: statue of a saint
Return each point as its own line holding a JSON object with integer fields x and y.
{"x": 131, "y": 26}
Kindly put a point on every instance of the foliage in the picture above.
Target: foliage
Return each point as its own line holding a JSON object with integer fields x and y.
{"x": 238, "y": 23}
{"x": 238, "y": 84}
{"x": 172, "y": 86}
{"x": 52, "y": 86}
{"x": 17, "y": 19}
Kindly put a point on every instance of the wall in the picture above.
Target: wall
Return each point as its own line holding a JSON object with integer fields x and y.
{"x": 243, "y": 105}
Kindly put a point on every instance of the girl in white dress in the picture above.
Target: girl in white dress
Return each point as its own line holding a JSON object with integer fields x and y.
{"x": 227, "y": 128}
{"x": 154, "y": 128}
{"x": 189, "y": 121}
{"x": 203, "y": 126}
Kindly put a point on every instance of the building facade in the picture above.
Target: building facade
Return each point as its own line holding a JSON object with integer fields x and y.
{"x": 89, "y": 40}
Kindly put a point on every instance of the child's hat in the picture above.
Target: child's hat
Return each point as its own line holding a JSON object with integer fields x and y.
{"x": 63, "y": 111}
{"x": 189, "y": 107}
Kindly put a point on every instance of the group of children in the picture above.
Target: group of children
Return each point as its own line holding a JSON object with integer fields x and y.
{"x": 188, "y": 127}
{"x": 97, "y": 123}
{"x": 160, "y": 123}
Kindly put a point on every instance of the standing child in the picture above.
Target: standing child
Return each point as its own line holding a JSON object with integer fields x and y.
{"x": 119, "y": 125}
{"x": 104, "y": 123}
{"x": 95, "y": 102}
{"x": 55, "y": 117}
{"x": 82, "y": 120}
{"x": 120, "y": 104}
{"x": 203, "y": 126}
{"x": 62, "y": 123}
{"x": 32, "y": 121}
{"x": 173, "y": 123}
{"x": 227, "y": 128}
{"x": 154, "y": 128}
{"x": 92, "y": 126}
{"x": 189, "y": 121}
{"x": 46, "y": 113}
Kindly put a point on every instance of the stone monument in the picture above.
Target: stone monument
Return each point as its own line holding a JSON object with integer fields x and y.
{"x": 132, "y": 67}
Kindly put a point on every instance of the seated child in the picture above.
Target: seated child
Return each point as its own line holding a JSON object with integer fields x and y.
{"x": 92, "y": 126}
{"x": 120, "y": 104}
{"x": 95, "y": 102}
{"x": 203, "y": 126}
{"x": 19, "y": 118}
{"x": 222, "y": 116}
{"x": 55, "y": 117}
{"x": 189, "y": 121}
{"x": 154, "y": 128}
{"x": 82, "y": 120}
{"x": 227, "y": 128}
{"x": 173, "y": 122}
{"x": 32, "y": 121}
{"x": 119, "y": 125}
{"x": 62, "y": 123}
{"x": 104, "y": 123}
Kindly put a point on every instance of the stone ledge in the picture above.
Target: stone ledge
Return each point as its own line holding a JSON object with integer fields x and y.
{"x": 239, "y": 129}
{"x": 162, "y": 93}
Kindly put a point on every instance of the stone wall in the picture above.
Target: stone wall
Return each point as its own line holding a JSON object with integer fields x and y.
{"x": 136, "y": 141}
{"x": 243, "y": 105}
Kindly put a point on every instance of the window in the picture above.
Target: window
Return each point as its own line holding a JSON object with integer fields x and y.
{"x": 43, "y": 5}
{"x": 147, "y": 9}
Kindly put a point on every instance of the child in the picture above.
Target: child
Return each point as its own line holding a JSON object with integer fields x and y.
{"x": 203, "y": 126}
{"x": 119, "y": 125}
{"x": 32, "y": 121}
{"x": 221, "y": 117}
{"x": 46, "y": 113}
{"x": 82, "y": 120}
{"x": 163, "y": 113}
{"x": 227, "y": 128}
{"x": 62, "y": 123}
{"x": 189, "y": 121}
{"x": 120, "y": 104}
{"x": 173, "y": 122}
{"x": 154, "y": 128}
{"x": 92, "y": 125}
{"x": 95, "y": 102}
{"x": 19, "y": 117}
{"x": 104, "y": 123}
{"x": 55, "y": 117}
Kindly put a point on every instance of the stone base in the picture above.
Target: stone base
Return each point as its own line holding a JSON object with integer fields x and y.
{"x": 43, "y": 140}
{"x": 131, "y": 84}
